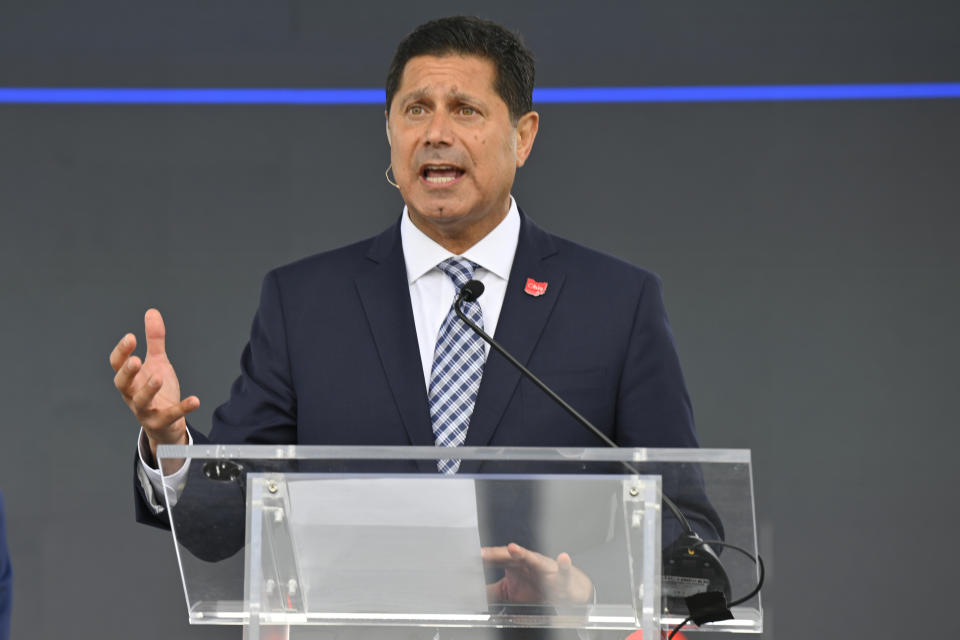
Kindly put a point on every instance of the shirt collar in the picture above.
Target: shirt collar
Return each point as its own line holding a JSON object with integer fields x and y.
{"x": 494, "y": 252}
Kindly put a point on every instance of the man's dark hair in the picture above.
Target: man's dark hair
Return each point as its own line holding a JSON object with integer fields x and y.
{"x": 467, "y": 36}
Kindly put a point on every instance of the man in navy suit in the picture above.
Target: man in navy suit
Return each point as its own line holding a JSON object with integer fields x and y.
{"x": 342, "y": 345}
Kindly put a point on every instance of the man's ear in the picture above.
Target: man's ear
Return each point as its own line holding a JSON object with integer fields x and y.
{"x": 527, "y": 127}
{"x": 386, "y": 123}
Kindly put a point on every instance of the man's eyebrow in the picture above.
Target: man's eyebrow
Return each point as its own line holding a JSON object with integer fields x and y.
{"x": 413, "y": 96}
{"x": 458, "y": 96}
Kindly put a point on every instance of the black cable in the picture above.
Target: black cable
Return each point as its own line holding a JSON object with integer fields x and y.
{"x": 757, "y": 560}
{"x": 677, "y": 628}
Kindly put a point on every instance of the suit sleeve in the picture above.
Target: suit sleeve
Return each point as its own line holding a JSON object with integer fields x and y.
{"x": 6, "y": 578}
{"x": 149, "y": 505}
{"x": 654, "y": 410}
{"x": 262, "y": 408}
{"x": 653, "y": 407}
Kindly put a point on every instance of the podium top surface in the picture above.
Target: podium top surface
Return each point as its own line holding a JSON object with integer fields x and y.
{"x": 312, "y": 452}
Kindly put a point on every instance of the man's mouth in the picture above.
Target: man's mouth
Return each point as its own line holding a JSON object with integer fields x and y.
{"x": 440, "y": 174}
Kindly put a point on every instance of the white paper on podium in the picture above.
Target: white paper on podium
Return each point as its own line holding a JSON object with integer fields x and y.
{"x": 404, "y": 544}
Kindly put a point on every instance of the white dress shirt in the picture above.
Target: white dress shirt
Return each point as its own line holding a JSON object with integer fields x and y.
{"x": 431, "y": 295}
{"x": 432, "y": 291}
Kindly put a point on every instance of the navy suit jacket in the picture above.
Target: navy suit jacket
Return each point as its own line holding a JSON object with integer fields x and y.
{"x": 333, "y": 357}
{"x": 6, "y": 578}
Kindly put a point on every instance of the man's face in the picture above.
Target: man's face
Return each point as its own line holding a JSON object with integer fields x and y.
{"x": 453, "y": 146}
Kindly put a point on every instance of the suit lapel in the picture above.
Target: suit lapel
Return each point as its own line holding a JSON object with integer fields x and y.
{"x": 522, "y": 319}
{"x": 385, "y": 296}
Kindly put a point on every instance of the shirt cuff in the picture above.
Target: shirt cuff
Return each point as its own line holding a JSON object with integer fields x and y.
{"x": 152, "y": 480}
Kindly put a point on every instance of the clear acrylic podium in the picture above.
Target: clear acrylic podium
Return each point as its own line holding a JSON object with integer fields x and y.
{"x": 287, "y": 541}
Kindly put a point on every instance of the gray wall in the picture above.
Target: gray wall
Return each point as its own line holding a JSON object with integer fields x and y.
{"x": 808, "y": 252}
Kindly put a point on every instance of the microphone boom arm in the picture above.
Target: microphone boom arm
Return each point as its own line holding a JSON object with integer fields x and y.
{"x": 469, "y": 294}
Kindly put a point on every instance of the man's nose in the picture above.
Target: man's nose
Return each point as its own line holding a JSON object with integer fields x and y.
{"x": 439, "y": 131}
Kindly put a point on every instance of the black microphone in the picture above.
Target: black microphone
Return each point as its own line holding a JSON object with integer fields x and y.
{"x": 470, "y": 292}
{"x": 688, "y": 561}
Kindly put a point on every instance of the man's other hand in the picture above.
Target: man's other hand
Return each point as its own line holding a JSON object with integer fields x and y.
{"x": 150, "y": 387}
{"x": 531, "y": 577}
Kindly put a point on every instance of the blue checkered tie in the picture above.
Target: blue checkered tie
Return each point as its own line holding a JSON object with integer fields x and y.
{"x": 457, "y": 367}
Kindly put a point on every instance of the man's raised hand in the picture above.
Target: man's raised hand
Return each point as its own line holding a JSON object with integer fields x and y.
{"x": 150, "y": 387}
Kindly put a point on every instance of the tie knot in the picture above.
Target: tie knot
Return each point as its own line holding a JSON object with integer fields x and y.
{"x": 460, "y": 270}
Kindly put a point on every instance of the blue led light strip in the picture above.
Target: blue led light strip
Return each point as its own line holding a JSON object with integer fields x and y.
{"x": 758, "y": 93}
{"x": 543, "y": 95}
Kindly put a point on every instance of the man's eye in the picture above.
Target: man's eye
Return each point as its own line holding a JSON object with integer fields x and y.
{"x": 467, "y": 111}
{"x": 415, "y": 110}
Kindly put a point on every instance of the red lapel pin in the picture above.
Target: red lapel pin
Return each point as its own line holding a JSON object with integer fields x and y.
{"x": 535, "y": 288}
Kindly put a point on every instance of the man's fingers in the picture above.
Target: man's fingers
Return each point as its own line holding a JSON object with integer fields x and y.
{"x": 126, "y": 374}
{"x": 122, "y": 351}
{"x": 173, "y": 413}
{"x": 517, "y": 553}
{"x": 144, "y": 396}
{"x": 564, "y": 563}
{"x": 531, "y": 559}
{"x": 153, "y": 419}
{"x": 513, "y": 555}
{"x": 496, "y": 557}
{"x": 156, "y": 334}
